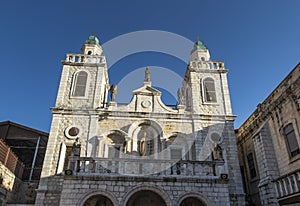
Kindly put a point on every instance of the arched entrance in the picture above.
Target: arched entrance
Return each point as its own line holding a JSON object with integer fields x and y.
{"x": 98, "y": 200}
{"x": 192, "y": 201}
{"x": 146, "y": 198}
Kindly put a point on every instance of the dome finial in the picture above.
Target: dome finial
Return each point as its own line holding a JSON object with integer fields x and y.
{"x": 199, "y": 44}
{"x": 93, "y": 39}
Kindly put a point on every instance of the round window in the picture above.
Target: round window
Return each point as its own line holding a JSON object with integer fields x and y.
{"x": 72, "y": 132}
{"x": 215, "y": 137}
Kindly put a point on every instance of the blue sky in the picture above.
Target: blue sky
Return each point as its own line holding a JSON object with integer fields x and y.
{"x": 258, "y": 41}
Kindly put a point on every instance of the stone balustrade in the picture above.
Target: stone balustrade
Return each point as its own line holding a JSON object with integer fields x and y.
{"x": 81, "y": 58}
{"x": 207, "y": 65}
{"x": 145, "y": 166}
{"x": 288, "y": 184}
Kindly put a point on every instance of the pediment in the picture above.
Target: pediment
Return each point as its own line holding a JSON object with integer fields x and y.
{"x": 147, "y": 90}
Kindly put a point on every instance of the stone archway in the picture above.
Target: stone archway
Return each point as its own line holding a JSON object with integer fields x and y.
{"x": 192, "y": 201}
{"x": 146, "y": 198}
{"x": 145, "y": 139}
{"x": 98, "y": 200}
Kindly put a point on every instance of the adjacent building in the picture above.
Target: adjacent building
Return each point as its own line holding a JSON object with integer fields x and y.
{"x": 143, "y": 153}
{"x": 22, "y": 152}
{"x": 268, "y": 145}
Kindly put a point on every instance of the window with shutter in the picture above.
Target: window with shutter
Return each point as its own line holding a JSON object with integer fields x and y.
{"x": 209, "y": 91}
{"x": 80, "y": 84}
{"x": 251, "y": 165}
{"x": 291, "y": 140}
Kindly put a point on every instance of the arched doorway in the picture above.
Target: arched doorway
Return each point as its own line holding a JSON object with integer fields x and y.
{"x": 98, "y": 200}
{"x": 192, "y": 201}
{"x": 146, "y": 198}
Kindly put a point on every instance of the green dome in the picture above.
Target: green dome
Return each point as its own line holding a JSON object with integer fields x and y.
{"x": 199, "y": 45}
{"x": 92, "y": 40}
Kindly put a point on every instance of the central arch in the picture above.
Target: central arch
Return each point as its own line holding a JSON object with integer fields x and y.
{"x": 146, "y": 198}
{"x": 98, "y": 200}
{"x": 194, "y": 199}
{"x": 145, "y": 139}
{"x": 146, "y": 195}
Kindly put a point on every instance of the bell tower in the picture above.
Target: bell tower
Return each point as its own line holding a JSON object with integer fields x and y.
{"x": 83, "y": 89}
{"x": 84, "y": 80}
{"x": 205, "y": 84}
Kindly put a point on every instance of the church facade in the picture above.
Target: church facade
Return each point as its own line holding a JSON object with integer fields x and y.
{"x": 142, "y": 153}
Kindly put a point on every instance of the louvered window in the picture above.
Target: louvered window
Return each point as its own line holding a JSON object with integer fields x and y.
{"x": 291, "y": 140}
{"x": 79, "y": 87}
{"x": 209, "y": 90}
{"x": 251, "y": 165}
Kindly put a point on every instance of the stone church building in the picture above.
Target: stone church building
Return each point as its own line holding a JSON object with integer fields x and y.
{"x": 143, "y": 153}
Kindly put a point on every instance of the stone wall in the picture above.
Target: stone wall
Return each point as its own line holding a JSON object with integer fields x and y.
{"x": 11, "y": 185}
{"x": 49, "y": 191}
{"x": 76, "y": 190}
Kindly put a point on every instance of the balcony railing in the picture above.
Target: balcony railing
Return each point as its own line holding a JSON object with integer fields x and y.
{"x": 81, "y": 58}
{"x": 288, "y": 184}
{"x": 207, "y": 65}
{"x": 145, "y": 167}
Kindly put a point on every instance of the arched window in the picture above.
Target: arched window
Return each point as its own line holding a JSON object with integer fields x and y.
{"x": 79, "y": 84}
{"x": 209, "y": 91}
{"x": 114, "y": 145}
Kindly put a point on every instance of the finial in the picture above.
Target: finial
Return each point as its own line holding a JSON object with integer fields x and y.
{"x": 198, "y": 38}
{"x": 147, "y": 75}
{"x": 94, "y": 33}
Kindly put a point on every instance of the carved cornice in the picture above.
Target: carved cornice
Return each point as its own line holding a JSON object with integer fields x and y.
{"x": 286, "y": 91}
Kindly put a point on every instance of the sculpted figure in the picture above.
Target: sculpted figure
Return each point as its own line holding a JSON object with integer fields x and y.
{"x": 76, "y": 147}
{"x": 113, "y": 92}
{"x": 217, "y": 153}
{"x": 143, "y": 145}
{"x": 147, "y": 75}
{"x": 180, "y": 97}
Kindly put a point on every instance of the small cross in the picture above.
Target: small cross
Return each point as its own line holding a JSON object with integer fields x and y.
{"x": 94, "y": 33}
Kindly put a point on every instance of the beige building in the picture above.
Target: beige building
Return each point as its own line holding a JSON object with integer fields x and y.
{"x": 143, "y": 153}
{"x": 268, "y": 145}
